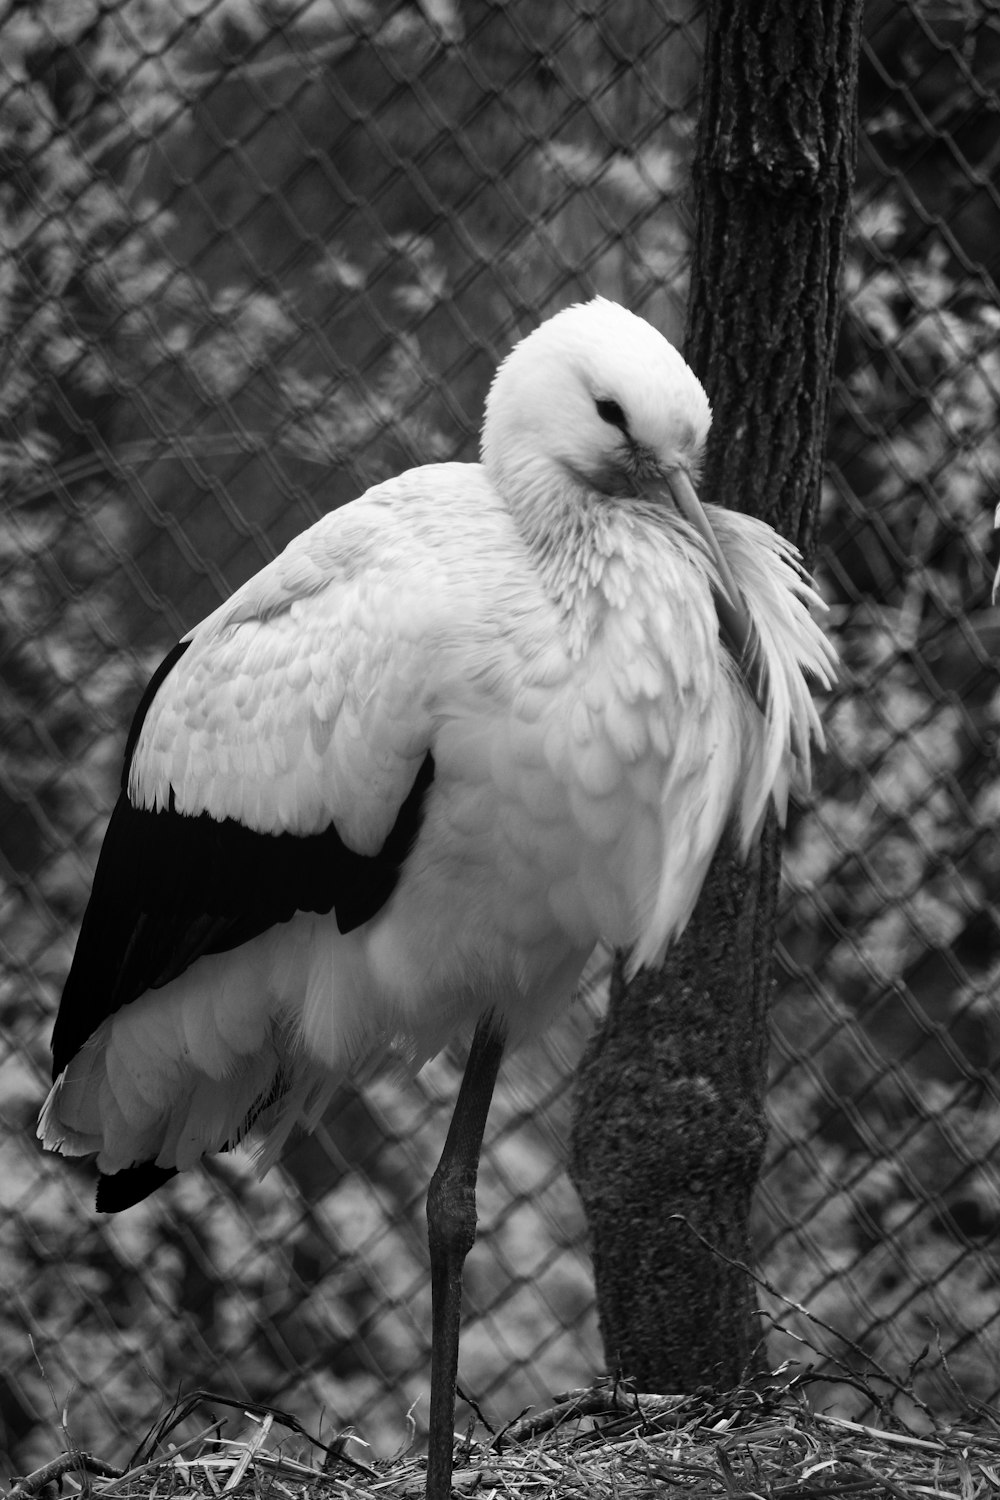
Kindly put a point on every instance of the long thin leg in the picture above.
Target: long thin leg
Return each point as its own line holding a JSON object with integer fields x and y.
{"x": 451, "y": 1230}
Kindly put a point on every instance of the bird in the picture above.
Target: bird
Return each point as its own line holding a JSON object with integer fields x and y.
{"x": 397, "y": 787}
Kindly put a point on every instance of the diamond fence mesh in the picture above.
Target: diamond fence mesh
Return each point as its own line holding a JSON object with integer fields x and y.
{"x": 260, "y": 254}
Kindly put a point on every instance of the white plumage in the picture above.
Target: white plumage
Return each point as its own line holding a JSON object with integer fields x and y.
{"x": 525, "y": 657}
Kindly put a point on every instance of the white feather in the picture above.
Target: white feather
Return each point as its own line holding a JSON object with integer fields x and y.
{"x": 556, "y": 648}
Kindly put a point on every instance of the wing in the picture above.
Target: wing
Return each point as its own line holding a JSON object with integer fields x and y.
{"x": 279, "y": 761}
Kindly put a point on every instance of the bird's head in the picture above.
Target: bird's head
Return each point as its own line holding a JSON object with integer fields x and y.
{"x": 595, "y": 397}
{"x": 595, "y": 406}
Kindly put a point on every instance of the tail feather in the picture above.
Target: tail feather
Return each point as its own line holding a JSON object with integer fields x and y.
{"x": 212, "y": 1117}
{"x": 218, "y": 1056}
{"x": 302, "y": 1106}
{"x": 159, "y": 1083}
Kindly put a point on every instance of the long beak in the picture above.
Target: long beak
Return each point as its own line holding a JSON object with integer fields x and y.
{"x": 735, "y": 624}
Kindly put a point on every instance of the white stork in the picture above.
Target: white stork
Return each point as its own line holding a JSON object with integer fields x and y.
{"x": 402, "y": 782}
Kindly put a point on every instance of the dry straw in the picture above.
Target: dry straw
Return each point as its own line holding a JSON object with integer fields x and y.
{"x": 759, "y": 1442}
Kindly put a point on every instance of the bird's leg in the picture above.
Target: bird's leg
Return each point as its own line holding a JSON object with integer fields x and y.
{"x": 451, "y": 1230}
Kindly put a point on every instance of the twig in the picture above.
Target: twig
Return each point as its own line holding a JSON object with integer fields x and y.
{"x": 903, "y": 1439}
{"x": 252, "y": 1448}
{"x": 127, "y": 1475}
{"x": 67, "y": 1463}
{"x": 897, "y": 1492}
{"x": 774, "y": 1291}
{"x": 589, "y": 1402}
{"x": 471, "y": 1401}
{"x": 182, "y": 1409}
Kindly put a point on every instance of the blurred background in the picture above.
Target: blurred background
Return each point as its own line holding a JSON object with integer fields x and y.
{"x": 261, "y": 253}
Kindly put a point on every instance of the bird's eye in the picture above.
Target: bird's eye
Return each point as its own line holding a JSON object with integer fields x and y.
{"x": 611, "y": 412}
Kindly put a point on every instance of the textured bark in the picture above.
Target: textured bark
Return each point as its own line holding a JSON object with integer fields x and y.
{"x": 670, "y": 1117}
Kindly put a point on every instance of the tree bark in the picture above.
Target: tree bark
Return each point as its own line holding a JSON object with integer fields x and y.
{"x": 670, "y": 1130}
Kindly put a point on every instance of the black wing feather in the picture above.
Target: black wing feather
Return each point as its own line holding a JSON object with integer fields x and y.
{"x": 171, "y": 887}
{"x": 118, "y": 1190}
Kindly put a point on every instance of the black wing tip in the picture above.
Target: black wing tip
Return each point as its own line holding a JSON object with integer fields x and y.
{"x": 118, "y": 1190}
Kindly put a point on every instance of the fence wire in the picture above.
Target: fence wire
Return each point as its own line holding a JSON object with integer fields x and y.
{"x": 260, "y": 254}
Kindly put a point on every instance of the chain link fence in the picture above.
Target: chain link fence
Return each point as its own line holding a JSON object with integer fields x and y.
{"x": 262, "y": 253}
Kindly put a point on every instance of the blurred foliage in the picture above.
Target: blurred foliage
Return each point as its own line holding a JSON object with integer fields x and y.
{"x": 216, "y": 216}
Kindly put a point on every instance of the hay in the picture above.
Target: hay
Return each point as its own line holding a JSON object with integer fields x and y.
{"x": 603, "y": 1443}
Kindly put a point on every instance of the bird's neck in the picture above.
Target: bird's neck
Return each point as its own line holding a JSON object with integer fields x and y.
{"x": 591, "y": 552}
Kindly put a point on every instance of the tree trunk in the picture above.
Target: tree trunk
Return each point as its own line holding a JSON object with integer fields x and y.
{"x": 670, "y": 1110}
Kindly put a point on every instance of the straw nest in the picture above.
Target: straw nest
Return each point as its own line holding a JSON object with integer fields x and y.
{"x": 760, "y": 1442}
